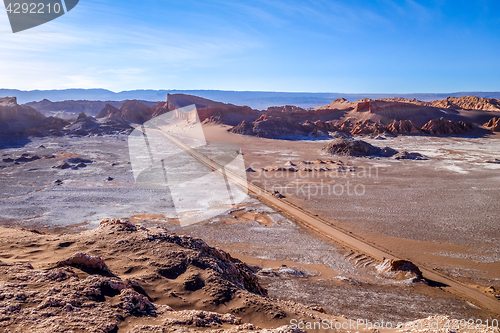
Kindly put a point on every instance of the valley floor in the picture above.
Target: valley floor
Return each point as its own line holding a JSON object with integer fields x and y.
{"x": 440, "y": 211}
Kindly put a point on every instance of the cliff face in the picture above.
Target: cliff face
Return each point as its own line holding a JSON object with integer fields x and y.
{"x": 15, "y": 118}
{"x": 208, "y": 111}
{"x": 11, "y": 111}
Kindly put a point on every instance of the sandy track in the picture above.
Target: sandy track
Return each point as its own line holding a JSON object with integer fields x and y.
{"x": 345, "y": 238}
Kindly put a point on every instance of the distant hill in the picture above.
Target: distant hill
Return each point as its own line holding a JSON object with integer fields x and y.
{"x": 255, "y": 99}
{"x": 70, "y": 109}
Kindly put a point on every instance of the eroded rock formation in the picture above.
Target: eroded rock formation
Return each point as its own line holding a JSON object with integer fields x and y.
{"x": 443, "y": 126}
{"x": 493, "y": 124}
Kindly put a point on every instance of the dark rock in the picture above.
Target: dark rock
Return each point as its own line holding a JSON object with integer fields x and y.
{"x": 63, "y": 166}
{"x": 404, "y": 155}
{"x": 278, "y": 195}
{"x": 25, "y": 158}
{"x": 351, "y": 147}
{"x": 78, "y": 160}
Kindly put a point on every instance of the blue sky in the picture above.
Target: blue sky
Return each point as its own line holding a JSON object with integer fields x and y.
{"x": 379, "y": 46}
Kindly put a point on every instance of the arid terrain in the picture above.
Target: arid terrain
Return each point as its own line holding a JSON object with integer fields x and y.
{"x": 426, "y": 192}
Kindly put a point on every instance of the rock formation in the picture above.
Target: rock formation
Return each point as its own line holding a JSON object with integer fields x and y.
{"x": 468, "y": 103}
{"x": 135, "y": 112}
{"x": 404, "y": 127}
{"x": 351, "y": 147}
{"x": 15, "y": 118}
{"x": 401, "y": 269}
{"x": 404, "y": 155}
{"x": 131, "y": 111}
{"x": 493, "y": 124}
{"x": 207, "y": 109}
{"x": 145, "y": 269}
{"x": 109, "y": 111}
{"x": 442, "y": 126}
{"x": 279, "y": 128}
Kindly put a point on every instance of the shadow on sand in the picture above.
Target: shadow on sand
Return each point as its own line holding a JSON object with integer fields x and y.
{"x": 8, "y": 141}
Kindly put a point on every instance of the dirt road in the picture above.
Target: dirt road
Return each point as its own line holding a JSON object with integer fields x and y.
{"x": 345, "y": 238}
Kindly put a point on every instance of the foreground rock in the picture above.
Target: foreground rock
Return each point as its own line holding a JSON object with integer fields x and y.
{"x": 125, "y": 278}
{"x": 122, "y": 277}
{"x": 352, "y": 147}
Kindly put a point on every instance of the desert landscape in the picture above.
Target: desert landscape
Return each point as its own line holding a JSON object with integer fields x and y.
{"x": 355, "y": 210}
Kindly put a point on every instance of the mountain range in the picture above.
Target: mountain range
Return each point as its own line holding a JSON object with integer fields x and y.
{"x": 392, "y": 116}
{"x": 255, "y": 99}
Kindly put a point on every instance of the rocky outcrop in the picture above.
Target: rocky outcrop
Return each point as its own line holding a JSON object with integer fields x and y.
{"x": 276, "y": 128}
{"x": 405, "y": 155}
{"x": 144, "y": 269}
{"x": 93, "y": 126}
{"x": 131, "y": 111}
{"x": 279, "y": 128}
{"x": 468, "y": 103}
{"x": 135, "y": 112}
{"x": 493, "y": 124}
{"x": 15, "y": 118}
{"x": 351, "y": 147}
{"x": 400, "y": 269}
{"x": 288, "y": 110}
{"x": 338, "y": 104}
{"x": 83, "y": 260}
{"x": 442, "y": 126}
{"x": 208, "y": 110}
{"x": 366, "y": 127}
{"x": 404, "y": 127}
{"x": 245, "y": 128}
{"x": 109, "y": 111}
